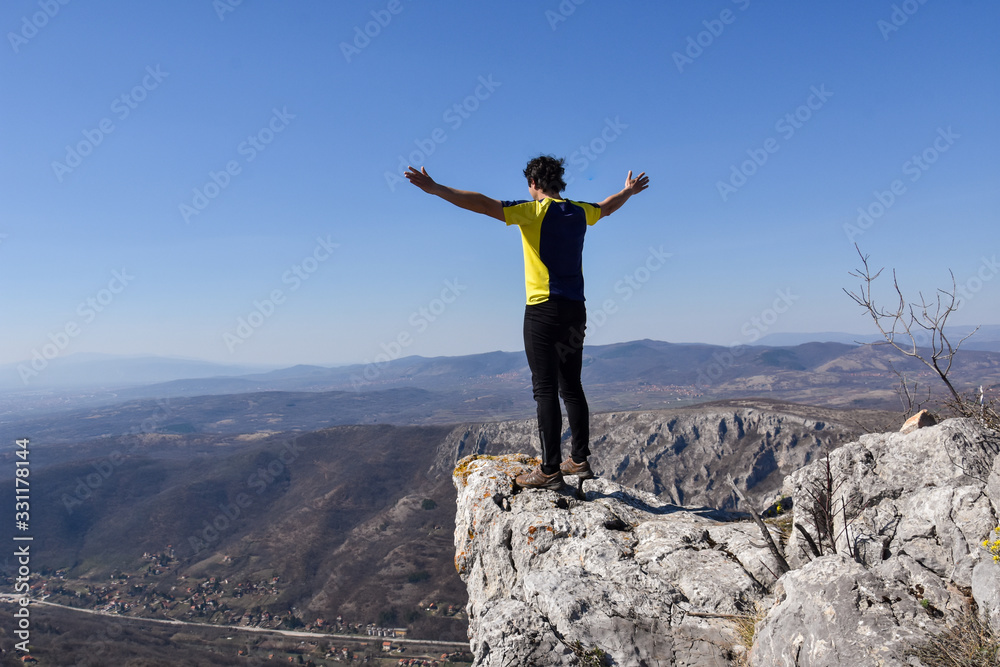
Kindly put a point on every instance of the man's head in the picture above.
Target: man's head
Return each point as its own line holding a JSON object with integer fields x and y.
{"x": 545, "y": 174}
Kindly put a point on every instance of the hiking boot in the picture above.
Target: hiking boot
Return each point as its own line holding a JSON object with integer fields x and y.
{"x": 536, "y": 479}
{"x": 581, "y": 470}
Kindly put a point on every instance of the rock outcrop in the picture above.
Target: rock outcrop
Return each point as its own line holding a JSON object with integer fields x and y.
{"x": 558, "y": 580}
{"x": 682, "y": 456}
{"x": 903, "y": 547}
{"x": 552, "y": 577}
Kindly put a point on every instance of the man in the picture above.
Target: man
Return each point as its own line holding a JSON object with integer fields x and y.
{"x": 552, "y": 231}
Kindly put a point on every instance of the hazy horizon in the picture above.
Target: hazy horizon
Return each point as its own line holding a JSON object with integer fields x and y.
{"x": 988, "y": 332}
{"x": 146, "y": 369}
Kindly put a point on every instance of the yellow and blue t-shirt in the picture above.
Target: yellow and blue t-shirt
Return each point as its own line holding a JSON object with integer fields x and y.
{"x": 552, "y": 233}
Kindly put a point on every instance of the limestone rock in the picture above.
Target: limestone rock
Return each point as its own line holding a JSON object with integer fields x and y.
{"x": 993, "y": 486}
{"x": 920, "y": 420}
{"x": 833, "y": 612}
{"x": 986, "y": 574}
{"x": 551, "y": 576}
{"x": 681, "y": 456}
{"x": 986, "y": 591}
{"x": 911, "y": 508}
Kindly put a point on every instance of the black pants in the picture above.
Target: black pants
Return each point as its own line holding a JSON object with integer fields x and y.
{"x": 553, "y": 343}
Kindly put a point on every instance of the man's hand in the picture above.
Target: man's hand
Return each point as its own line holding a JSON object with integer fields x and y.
{"x": 637, "y": 184}
{"x": 632, "y": 186}
{"x": 423, "y": 181}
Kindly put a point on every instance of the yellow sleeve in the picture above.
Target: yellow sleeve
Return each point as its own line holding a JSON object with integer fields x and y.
{"x": 526, "y": 213}
{"x": 592, "y": 211}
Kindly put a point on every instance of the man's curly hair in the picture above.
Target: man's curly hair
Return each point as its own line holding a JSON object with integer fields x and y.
{"x": 547, "y": 173}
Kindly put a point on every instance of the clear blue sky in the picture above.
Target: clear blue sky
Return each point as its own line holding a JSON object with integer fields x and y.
{"x": 115, "y": 113}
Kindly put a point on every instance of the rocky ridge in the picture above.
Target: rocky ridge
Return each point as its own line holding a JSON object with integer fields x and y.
{"x": 625, "y": 578}
{"x": 682, "y": 455}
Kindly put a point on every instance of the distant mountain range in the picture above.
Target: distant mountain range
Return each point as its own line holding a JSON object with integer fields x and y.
{"x": 987, "y": 338}
{"x": 186, "y": 377}
{"x": 109, "y": 370}
{"x": 639, "y": 375}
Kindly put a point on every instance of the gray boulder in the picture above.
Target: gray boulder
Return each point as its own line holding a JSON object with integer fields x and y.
{"x": 909, "y": 515}
{"x": 551, "y": 577}
{"x": 682, "y": 456}
{"x": 986, "y": 573}
{"x": 554, "y": 579}
{"x": 833, "y": 612}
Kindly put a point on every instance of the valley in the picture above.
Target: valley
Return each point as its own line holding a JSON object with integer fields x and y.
{"x": 333, "y": 511}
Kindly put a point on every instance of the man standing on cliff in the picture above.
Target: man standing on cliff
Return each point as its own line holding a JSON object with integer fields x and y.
{"x": 552, "y": 231}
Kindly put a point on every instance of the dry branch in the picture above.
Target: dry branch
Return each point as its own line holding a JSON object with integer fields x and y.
{"x": 782, "y": 563}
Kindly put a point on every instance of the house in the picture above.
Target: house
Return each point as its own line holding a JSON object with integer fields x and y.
{"x": 386, "y": 646}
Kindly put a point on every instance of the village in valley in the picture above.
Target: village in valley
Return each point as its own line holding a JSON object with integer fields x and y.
{"x": 218, "y": 601}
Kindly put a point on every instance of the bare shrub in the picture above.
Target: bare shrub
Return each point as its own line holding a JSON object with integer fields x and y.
{"x": 900, "y": 326}
{"x": 970, "y": 642}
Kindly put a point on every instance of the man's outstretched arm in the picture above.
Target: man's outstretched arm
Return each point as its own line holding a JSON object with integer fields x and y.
{"x": 632, "y": 186}
{"x": 470, "y": 201}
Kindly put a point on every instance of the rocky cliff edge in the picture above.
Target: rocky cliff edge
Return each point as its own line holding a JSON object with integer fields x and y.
{"x": 622, "y": 578}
